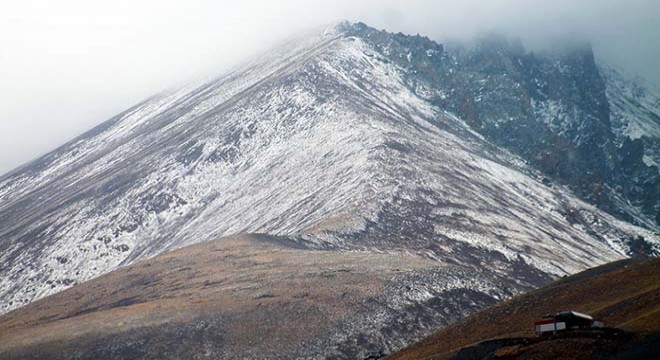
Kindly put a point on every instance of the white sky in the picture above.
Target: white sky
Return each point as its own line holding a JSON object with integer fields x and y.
{"x": 67, "y": 65}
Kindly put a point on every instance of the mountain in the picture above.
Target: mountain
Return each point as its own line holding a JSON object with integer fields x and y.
{"x": 635, "y": 110}
{"x": 555, "y": 109}
{"x": 336, "y": 141}
{"x": 635, "y": 115}
{"x": 633, "y": 306}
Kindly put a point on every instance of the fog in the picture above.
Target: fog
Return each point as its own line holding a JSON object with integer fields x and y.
{"x": 68, "y": 65}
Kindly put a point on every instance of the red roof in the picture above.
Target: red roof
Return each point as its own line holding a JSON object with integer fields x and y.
{"x": 543, "y": 322}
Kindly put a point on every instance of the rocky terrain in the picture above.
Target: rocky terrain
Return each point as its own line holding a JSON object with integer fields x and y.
{"x": 506, "y": 330}
{"x": 582, "y": 125}
{"x": 343, "y": 141}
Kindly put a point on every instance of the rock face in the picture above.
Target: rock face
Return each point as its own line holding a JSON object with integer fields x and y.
{"x": 556, "y": 110}
{"x": 635, "y": 115}
{"x": 344, "y": 139}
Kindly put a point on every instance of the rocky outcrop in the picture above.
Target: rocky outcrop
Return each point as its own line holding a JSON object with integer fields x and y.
{"x": 551, "y": 108}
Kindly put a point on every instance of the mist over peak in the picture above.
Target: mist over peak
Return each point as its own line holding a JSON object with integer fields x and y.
{"x": 82, "y": 62}
{"x": 348, "y": 189}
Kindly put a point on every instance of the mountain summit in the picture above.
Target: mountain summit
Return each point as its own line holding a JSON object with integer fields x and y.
{"x": 346, "y": 139}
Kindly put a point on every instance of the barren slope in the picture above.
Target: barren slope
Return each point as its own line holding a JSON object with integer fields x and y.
{"x": 251, "y": 296}
{"x": 625, "y": 294}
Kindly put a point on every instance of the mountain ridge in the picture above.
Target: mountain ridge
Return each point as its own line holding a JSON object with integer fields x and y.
{"x": 323, "y": 141}
{"x": 549, "y": 107}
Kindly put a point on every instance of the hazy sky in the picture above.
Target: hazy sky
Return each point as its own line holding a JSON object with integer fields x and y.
{"x": 68, "y": 65}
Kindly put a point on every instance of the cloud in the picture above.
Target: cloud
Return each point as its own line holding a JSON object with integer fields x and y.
{"x": 68, "y": 65}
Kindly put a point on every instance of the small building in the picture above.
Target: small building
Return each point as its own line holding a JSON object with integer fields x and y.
{"x": 566, "y": 320}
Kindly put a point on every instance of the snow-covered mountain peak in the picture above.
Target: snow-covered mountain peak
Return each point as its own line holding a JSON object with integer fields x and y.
{"x": 323, "y": 139}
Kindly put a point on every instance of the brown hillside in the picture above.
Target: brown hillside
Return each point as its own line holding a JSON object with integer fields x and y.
{"x": 625, "y": 294}
{"x": 201, "y": 301}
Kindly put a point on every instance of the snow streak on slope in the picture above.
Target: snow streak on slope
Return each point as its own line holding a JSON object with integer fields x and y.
{"x": 321, "y": 140}
{"x": 635, "y": 112}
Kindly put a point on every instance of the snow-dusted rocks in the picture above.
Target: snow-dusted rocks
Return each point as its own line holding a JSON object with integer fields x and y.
{"x": 323, "y": 140}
